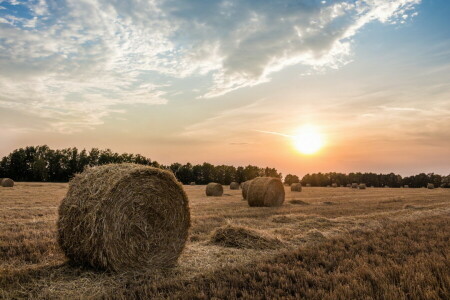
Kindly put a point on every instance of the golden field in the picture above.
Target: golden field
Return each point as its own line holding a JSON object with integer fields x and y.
{"x": 310, "y": 241}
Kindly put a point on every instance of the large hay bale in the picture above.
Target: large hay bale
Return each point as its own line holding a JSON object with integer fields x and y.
{"x": 354, "y": 185}
{"x": 430, "y": 186}
{"x": 7, "y": 182}
{"x": 245, "y": 186}
{"x": 234, "y": 186}
{"x": 214, "y": 189}
{"x": 296, "y": 187}
{"x": 362, "y": 186}
{"x": 124, "y": 217}
{"x": 265, "y": 191}
{"x": 243, "y": 238}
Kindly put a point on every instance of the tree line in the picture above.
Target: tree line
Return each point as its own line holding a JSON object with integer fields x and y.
{"x": 40, "y": 163}
{"x": 376, "y": 180}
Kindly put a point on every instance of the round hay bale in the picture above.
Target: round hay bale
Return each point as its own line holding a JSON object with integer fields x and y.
{"x": 406, "y": 186}
{"x": 245, "y": 186}
{"x": 214, "y": 189}
{"x": 362, "y": 186}
{"x": 192, "y": 183}
{"x": 265, "y": 191}
{"x": 308, "y": 185}
{"x": 234, "y": 186}
{"x": 334, "y": 185}
{"x": 296, "y": 187}
{"x": 124, "y": 217}
{"x": 354, "y": 185}
{"x": 7, "y": 182}
{"x": 430, "y": 186}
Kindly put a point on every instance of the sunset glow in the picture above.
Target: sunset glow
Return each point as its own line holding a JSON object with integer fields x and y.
{"x": 308, "y": 141}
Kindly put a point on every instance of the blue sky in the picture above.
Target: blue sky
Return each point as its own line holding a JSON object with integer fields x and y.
{"x": 198, "y": 82}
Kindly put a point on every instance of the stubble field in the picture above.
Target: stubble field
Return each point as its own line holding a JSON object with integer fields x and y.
{"x": 322, "y": 243}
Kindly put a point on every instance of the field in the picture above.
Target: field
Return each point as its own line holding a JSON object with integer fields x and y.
{"x": 323, "y": 243}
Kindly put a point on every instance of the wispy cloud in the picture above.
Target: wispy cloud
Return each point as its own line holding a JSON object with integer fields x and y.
{"x": 74, "y": 62}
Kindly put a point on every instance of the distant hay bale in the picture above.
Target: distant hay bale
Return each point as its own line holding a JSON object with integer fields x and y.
{"x": 334, "y": 185}
{"x": 192, "y": 183}
{"x": 234, "y": 186}
{"x": 308, "y": 185}
{"x": 296, "y": 187}
{"x": 406, "y": 186}
{"x": 342, "y": 185}
{"x": 7, "y": 182}
{"x": 124, "y": 217}
{"x": 243, "y": 238}
{"x": 362, "y": 186}
{"x": 354, "y": 185}
{"x": 265, "y": 191}
{"x": 214, "y": 189}
{"x": 430, "y": 186}
{"x": 245, "y": 186}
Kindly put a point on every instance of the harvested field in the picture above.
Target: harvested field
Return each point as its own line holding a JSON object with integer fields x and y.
{"x": 33, "y": 266}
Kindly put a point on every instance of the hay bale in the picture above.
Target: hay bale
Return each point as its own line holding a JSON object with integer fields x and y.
{"x": 406, "y": 186}
{"x": 192, "y": 183}
{"x": 214, "y": 189}
{"x": 308, "y": 185}
{"x": 334, "y": 185}
{"x": 430, "y": 186}
{"x": 124, "y": 217}
{"x": 243, "y": 238}
{"x": 362, "y": 186}
{"x": 354, "y": 185}
{"x": 296, "y": 187}
{"x": 265, "y": 191}
{"x": 245, "y": 186}
{"x": 234, "y": 186}
{"x": 7, "y": 182}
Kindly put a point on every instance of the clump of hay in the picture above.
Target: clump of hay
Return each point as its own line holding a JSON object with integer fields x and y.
{"x": 409, "y": 206}
{"x": 354, "y": 185}
{"x": 245, "y": 186}
{"x": 296, "y": 187}
{"x": 313, "y": 235}
{"x": 192, "y": 183}
{"x": 7, "y": 182}
{"x": 234, "y": 186}
{"x": 298, "y": 202}
{"x": 430, "y": 186}
{"x": 265, "y": 191}
{"x": 334, "y": 185}
{"x": 308, "y": 185}
{"x": 214, "y": 189}
{"x": 124, "y": 217}
{"x": 243, "y": 238}
{"x": 362, "y": 186}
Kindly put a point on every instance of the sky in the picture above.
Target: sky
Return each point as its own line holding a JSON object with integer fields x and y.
{"x": 230, "y": 82}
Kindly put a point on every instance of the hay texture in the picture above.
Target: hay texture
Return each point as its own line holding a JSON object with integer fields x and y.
{"x": 214, "y": 189}
{"x": 243, "y": 238}
{"x": 354, "y": 185}
{"x": 7, "y": 182}
{"x": 245, "y": 186}
{"x": 362, "y": 186}
{"x": 122, "y": 217}
{"x": 265, "y": 191}
{"x": 296, "y": 187}
{"x": 234, "y": 186}
{"x": 430, "y": 186}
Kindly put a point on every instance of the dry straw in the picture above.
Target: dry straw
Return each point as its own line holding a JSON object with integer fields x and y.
{"x": 243, "y": 238}
{"x": 214, "y": 189}
{"x": 296, "y": 187}
{"x": 234, "y": 186}
{"x": 7, "y": 182}
{"x": 265, "y": 191}
{"x": 245, "y": 186}
{"x": 124, "y": 217}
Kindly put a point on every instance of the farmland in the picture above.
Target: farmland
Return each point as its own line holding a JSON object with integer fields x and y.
{"x": 395, "y": 240}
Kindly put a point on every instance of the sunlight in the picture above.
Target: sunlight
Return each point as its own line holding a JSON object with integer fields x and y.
{"x": 308, "y": 140}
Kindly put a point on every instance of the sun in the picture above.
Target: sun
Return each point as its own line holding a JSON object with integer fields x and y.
{"x": 308, "y": 140}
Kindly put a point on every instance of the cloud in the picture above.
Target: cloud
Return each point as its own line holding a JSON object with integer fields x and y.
{"x": 80, "y": 60}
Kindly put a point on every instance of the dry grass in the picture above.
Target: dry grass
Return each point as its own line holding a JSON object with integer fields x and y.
{"x": 33, "y": 266}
